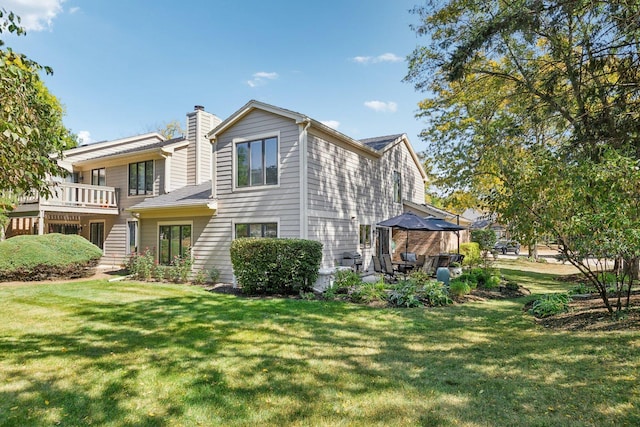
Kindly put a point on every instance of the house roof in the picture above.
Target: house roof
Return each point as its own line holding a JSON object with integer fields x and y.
{"x": 373, "y": 146}
{"x": 187, "y": 196}
{"x": 149, "y": 147}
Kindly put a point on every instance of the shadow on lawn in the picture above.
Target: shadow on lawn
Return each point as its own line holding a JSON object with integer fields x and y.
{"x": 226, "y": 360}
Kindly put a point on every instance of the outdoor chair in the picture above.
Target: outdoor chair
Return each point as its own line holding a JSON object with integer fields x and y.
{"x": 408, "y": 257}
{"x": 420, "y": 260}
{"x": 387, "y": 265}
{"x": 377, "y": 265}
{"x": 427, "y": 267}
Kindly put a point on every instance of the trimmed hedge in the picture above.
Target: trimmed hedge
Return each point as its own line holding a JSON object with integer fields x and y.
{"x": 275, "y": 266}
{"x": 27, "y": 258}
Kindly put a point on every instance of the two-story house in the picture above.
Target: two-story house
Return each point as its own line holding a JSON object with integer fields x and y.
{"x": 263, "y": 171}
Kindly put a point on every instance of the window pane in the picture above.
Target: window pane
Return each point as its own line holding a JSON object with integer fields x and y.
{"x": 271, "y": 230}
{"x": 271, "y": 160}
{"x": 255, "y": 230}
{"x": 165, "y": 232}
{"x": 133, "y": 180}
{"x": 133, "y": 233}
{"x": 242, "y": 230}
{"x": 242, "y": 157}
{"x": 174, "y": 245}
{"x": 149, "y": 177}
{"x": 185, "y": 240}
{"x": 256, "y": 163}
{"x": 140, "y": 172}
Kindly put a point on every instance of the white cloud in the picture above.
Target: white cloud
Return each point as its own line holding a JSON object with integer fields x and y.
{"x": 74, "y": 10}
{"x": 385, "y": 57}
{"x": 381, "y": 106}
{"x": 333, "y": 124}
{"x": 84, "y": 137}
{"x": 260, "y": 78}
{"x": 35, "y": 15}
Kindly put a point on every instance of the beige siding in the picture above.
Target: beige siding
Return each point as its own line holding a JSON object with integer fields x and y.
{"x": 347, "y": 188}
{"x": 178, "y": 168}
{"x": 279, "y": 203}
{"x": 199, "y": 123}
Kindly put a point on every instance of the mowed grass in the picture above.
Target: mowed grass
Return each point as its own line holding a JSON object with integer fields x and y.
{"x": 129, "y": 354}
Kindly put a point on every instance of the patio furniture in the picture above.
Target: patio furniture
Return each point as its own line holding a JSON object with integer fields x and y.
{"x": 427, "y": 267}
{"x": 387, "y": 265}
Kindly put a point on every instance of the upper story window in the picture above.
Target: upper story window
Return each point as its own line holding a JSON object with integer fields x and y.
{"x": 397, "y": 187}
{"x": 257, "y": 162}
{"x": 141, "y": 178}
{"x": 98, "y": 177}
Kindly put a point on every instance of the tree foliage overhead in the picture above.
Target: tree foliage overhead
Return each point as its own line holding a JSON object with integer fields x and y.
{"x": 31, "y": 127}
{"x": 533, "y": 106}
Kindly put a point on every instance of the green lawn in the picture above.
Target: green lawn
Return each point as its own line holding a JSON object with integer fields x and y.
{"x": 125, "y": 354}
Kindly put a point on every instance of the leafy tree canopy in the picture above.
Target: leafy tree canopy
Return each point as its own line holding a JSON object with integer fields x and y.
{"x": 31, "y": 128}
{"x": 533, "y": 107}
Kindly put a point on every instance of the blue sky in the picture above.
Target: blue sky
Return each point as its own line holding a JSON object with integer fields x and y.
{"x": 125, "y": 67}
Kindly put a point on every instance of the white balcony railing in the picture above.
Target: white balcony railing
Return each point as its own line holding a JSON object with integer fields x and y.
{"x": 76, "y": 196}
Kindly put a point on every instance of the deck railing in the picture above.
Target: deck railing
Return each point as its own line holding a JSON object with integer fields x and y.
{"x": 76, "y": 195}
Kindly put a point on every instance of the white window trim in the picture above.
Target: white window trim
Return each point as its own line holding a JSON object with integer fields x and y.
{"x": 254, "y": 220}
{"x": 157, "y": 244}
{"x": 239, "y": 140}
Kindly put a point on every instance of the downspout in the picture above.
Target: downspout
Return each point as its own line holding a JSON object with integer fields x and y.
{"x": 304, "y": 191}
{"x": 214, "y": 167}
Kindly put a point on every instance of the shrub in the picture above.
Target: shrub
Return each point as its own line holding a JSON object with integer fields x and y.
{"x": 180, "y": 269}
{"x": 581, "y": 288}
{"x": 459, "y": 287}
{"x": 200, "y": 278}
{"x": 368, "y": 292}
{"x": 492, "y": 283}
{"x": 405, "y": 294}
{"x": 436, "y": 294}
{"x": 142, "y": 266}
{"x": 214, "y": 275}
{"x": 471, "y": 252}
{"x": 550, "y": 304}
{"x": 47, "y": 256}
{"x": 512, "y": 285}
{"x": 275, "y": 266}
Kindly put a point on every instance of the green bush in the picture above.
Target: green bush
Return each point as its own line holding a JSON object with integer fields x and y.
{"x": 275, "y": 266}
{"x": 368, "y": 292}
{"x": 459, "y": 287}
{"x": 405, "y": 294}
{"x": 550, "y": 304}
{"x": 143, "y": 267}
{"x": 47, "y": 256}
{"x": 471, "y": 252}
{"x": 435, "y": 293}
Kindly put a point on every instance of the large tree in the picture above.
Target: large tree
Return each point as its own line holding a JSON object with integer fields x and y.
{"x": 534, "y": 106}
{"x": 31, "y": 130}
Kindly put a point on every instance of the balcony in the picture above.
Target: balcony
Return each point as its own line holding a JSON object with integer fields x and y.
{"x": 77, "y": 198}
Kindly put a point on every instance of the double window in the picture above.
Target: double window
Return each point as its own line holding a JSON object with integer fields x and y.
{"x": 268, "y": 229}
{"x": 98, "y": 177}
{"x": 141, "y": 178}
{"x": 174, "y": 242}
{"x": 257, "y": 162}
